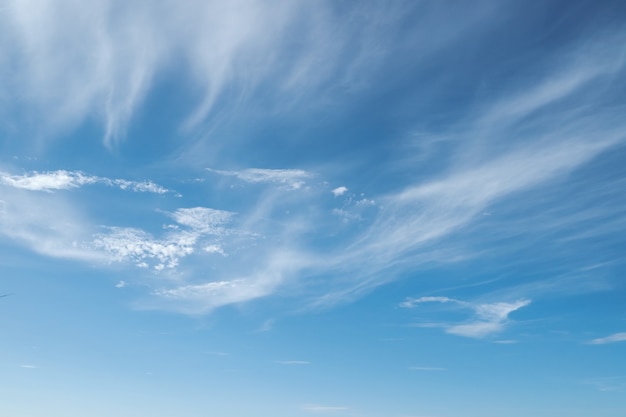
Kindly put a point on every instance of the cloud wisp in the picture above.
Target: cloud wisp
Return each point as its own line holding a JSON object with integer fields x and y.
{"x": 488, "y": 318}
{"x": 66, "y": 180}
{"x": 614, "y": 338}
{"x": 292, "y": 179}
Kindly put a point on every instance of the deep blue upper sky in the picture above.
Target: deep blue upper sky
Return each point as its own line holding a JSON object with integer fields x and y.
{"x": 378, "y": 209}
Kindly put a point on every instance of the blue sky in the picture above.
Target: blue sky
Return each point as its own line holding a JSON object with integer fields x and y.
{"x": 367, "y": 209}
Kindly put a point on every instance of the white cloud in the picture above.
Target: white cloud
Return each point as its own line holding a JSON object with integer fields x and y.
{"x": 139, "y": 247}
{"x": 65, "y": 180}
{"x": 203, "y": 298}
{"x": 365, "y": 202}
{"x": 339, "y": 191}
{"x": 215, "y": 249}
{"x": 279, "y": 266}
{"x": 46, "y": 181}
{"x": 617, "y": 337}
{"x": 137, "y": 186}
{"x": 413, "y": 302}
{"x": 28, "y": 366}
{"x": 506, "y": 342}
{"x": 142, "y": 248}
{"x": 290, "y": 178}
{"x": 46, "y": 223}
{"x": 203, "y": 220}
{"x": 120, "y": 284}
{"x": 488, "y": 318}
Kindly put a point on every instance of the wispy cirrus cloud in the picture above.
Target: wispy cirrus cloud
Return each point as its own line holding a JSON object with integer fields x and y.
{"x": 289, "y": 178}
{"x": 279, "y": 267}
{"x": 488, "y": 318}
{"x": 614, "y": 338}
{"x": 47, "y": 223}
{"x": 120, "y": 48}
{"x": 505, "y": 148}
{"x": 65, "y": 180}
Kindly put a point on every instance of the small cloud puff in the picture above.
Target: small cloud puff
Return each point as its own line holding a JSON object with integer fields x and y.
{"x": 339, "y": 191}
{"x": 215, "y": 249}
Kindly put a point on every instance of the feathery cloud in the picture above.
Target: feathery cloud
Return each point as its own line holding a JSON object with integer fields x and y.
{"x": 488, "y": 318}
{"x": 120, "y": 48}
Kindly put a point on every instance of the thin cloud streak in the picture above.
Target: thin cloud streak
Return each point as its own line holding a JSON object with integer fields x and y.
{"x": 614, "y": 338}
{"x": 290, "y": 178}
